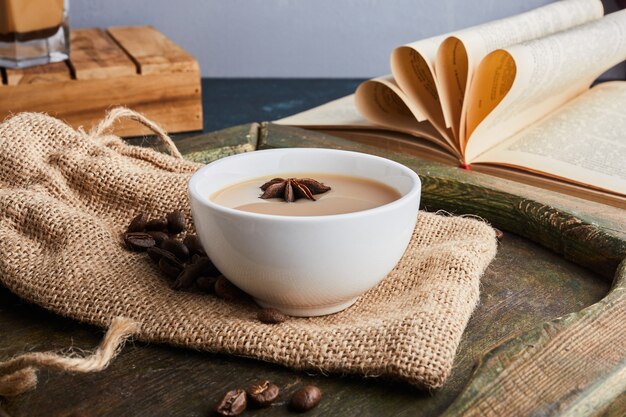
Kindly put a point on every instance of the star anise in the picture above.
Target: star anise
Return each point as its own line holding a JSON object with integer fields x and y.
{"x": 292, "y": 189}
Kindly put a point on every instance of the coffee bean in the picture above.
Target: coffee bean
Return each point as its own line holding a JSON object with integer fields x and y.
{"x": 263, "y": 393}
{"x": 138, "y": 223}
{"x": 306, "y": 398}
{"x": 158, "y": 236}
{"x": 227, "y": 290}
{"x": 206, "y": 284}
{"x": 232, "y": 403}
{"x": 138, "y": 241}
{"x": 271, "y": 316}
{"x": 208, "y": 269}
{"x": 156, "y": 254}
{"x": 170, "y": 267}
{"x": 206, "y": 266}
{"x": 159, "y": 224}
{"x": 176, "y": 222}
{"x": 194, "y": 245}
{"x": 197, "y": 268}
{"x": 186, "y": 278}
{"x": 177, "y": 247}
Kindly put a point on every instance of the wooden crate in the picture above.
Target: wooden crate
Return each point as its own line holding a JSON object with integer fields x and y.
{"x": 137, "y": 67}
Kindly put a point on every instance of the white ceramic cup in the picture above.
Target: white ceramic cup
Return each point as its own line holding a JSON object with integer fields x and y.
{"x": 310, "y": 265}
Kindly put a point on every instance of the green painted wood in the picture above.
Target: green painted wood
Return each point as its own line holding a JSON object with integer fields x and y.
{"x": 208, "y": 147}
{"x": 595, "y": 236}
{"x": 518, "y": 297}
{"x": 574, "y": 365}
{"x": 226, "y": 142}
{"x": 607, "y": 218}
{"x": 158, "y": 380}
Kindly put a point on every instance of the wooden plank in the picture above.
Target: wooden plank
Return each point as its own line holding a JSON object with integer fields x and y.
{"x": 574, "y": 366}
{"x": 516, "y": 296}
{"x": 598, "y": 242}
{"x": 173, "y": 100}
{"x": 226, "y": 142}
{"x": 41, "y": 74}
{"x": 94, "y": 55}
{"x": 230, "y": 141}
{"x": 610, "y": 219}
{"x": 152, "y": 51}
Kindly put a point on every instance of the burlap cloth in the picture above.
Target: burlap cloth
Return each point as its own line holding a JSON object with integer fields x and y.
{"x": 66, "y": 196}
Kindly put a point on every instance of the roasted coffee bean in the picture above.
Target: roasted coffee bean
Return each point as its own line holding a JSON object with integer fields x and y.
{"x": 198, "y": 268}
{"x": 232, "y": 403}
{"x": 186, "y": 278}
{"x": 183, "y": 281}
{"x": 194, "y": 245}
{"x": 271, "y": 316}
{"x": 176, "y": 222}
{"x": 138, "y": 223}
{"x": 159, "y": 224}
{"x": 158, "y": 236}
{"x": 206, "y": 284}
{"x": 206, "y": 266}
{"x": 177, "y": 247}
{"x": 263, "y": 393}
{"x": 227, "y": 290}
{"x": 170, "y": 267}
{"x": 306, "y": 398}
{"x": 156, "y": 254}
{"x": 138, "y": 241}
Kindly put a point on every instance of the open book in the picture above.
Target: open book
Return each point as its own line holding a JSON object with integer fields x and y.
{"x": 509, "y": 97}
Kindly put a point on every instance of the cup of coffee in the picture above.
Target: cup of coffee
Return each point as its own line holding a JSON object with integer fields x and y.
{"x": 33, "y": 32}
{"x": 305, "y": 231}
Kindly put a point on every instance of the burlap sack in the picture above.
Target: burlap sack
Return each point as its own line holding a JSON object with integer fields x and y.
{"x": 67, "y": 196}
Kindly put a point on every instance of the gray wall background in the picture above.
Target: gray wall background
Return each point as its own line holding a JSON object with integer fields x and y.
{"x": 297, "y": 38}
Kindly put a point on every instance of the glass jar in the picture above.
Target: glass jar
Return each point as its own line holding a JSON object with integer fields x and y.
{"x": 33, "y": 32}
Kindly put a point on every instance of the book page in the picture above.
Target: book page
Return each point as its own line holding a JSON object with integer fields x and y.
{"x": 381, "y": 101}
{"x": 342, "y": 114}
{"x": 397, "y": 142}
{"x": 583, "y": 142}
{"x": 382, "y": 94}
{"x": 460, "y": 54}
{"x": 412, "y": 66}
{"x": 516, "y": 86}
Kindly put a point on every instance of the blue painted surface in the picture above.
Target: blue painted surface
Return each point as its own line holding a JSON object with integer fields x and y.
{"x": 229, "y": 102}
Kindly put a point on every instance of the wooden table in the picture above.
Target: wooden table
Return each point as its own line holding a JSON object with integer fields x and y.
{"x": 555, "y": 266}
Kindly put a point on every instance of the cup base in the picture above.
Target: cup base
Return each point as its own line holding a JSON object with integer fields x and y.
{"x": 308, "y": 311}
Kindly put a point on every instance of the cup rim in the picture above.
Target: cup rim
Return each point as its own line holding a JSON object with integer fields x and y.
{"x": 206, "y": 202}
